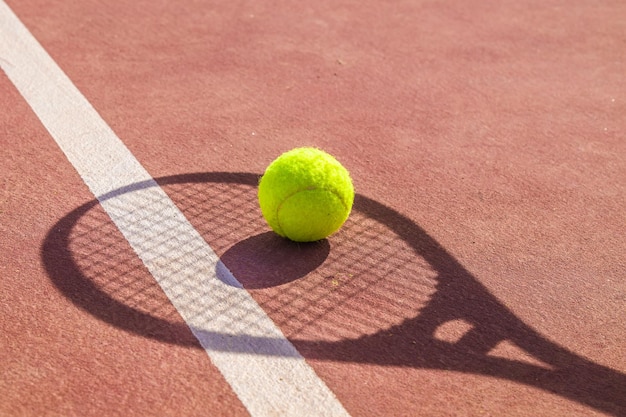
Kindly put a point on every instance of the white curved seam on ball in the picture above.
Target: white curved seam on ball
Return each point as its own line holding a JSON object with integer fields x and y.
{"x": 309, "y": 188}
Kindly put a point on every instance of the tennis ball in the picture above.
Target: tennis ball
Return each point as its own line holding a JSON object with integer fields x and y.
{"x": 305, "y": 195}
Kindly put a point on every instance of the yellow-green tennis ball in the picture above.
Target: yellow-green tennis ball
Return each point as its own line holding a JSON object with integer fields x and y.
{"x": 305, "y": 195}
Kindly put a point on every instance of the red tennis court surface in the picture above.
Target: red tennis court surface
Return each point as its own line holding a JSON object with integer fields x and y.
{"x": 482, "y": 271}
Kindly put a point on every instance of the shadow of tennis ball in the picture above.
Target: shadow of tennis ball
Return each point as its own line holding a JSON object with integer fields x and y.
{"x": 268, "y": 260}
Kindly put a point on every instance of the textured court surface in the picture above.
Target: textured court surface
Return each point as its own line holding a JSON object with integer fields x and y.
{"x": 482, "y": 271}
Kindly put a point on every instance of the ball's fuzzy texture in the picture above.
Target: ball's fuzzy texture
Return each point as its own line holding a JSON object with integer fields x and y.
{"x": 305, "y": 195}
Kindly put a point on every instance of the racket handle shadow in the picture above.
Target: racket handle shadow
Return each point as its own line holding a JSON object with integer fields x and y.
{"x": 413, "y": 343}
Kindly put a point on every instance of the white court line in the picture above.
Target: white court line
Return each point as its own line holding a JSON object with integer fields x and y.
{"x": 264, "y": 369}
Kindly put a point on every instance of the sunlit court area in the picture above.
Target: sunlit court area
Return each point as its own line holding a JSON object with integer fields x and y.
{"x": 335, "y": 208}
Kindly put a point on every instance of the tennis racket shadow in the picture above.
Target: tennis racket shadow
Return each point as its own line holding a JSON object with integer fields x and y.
{"x": 379, "y": 292}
